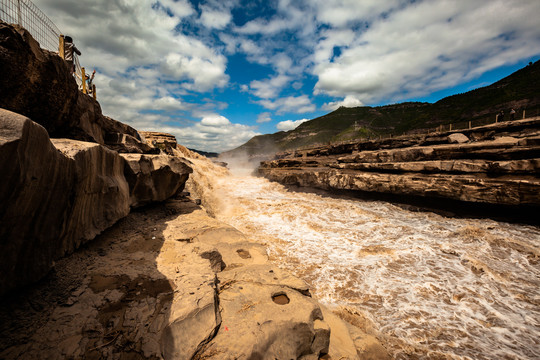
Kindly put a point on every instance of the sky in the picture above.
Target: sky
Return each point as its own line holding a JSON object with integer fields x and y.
{"x": 215, "y": 73}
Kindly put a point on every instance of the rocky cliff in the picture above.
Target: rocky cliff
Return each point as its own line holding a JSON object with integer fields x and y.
{"x": 63, "y": 179}
{"x": 497, "y": 165}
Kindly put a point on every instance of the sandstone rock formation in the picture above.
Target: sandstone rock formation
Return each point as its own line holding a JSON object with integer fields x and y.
{"x": 499, "y": 166}
{"x": 37, "y": 83}
{"x": 58, "y": 194}
{"x": 154, "y": 177}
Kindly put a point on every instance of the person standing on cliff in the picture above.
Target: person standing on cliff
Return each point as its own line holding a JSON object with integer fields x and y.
{"x": 69, "y": 49}
{"x": 512, "y": 114}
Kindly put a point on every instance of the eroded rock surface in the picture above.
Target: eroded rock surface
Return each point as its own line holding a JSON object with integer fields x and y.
{"x": 58, "y": 194}
{"x": 155, "y": 177}
{"x": 143, "y": 290}
{"x": 496, "y": 164}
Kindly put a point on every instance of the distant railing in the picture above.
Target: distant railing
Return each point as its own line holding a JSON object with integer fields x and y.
{"x": 27, "y": 15}
{"x": 463, "y": 125}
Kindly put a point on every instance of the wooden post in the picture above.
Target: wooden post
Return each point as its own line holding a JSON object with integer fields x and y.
{"x": 94, "y": 91}
{"x": 450, "y": 127}
{"x": 83, "y": 74}
{"x": 469, "y": 124}
{"x": 497, "y": 118}
{"x": 61, "y": 50}
{"x": 524, "y": 113}
{"x": 19, "y": 16}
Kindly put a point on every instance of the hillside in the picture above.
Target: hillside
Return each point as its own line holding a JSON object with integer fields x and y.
{"x": 520, "y": 90}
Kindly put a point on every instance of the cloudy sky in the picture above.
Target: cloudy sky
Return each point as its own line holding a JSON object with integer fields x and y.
{"x": 217, "y": 72}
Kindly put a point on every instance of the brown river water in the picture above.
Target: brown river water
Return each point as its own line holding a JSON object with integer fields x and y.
{"x": 432, "y": 287}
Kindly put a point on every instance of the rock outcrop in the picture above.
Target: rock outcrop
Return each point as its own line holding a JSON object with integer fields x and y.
{"x": 58, "y": 194}
{"x": 149, "y": 288}
{"x": 499, "y": 165}
{"x": 154, "y": 178}
{"x": 37, "y": 83}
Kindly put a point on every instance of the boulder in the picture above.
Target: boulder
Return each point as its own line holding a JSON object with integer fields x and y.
{"x": 263, "y": 319}
{"x": 154, "y": 177}
{"x": 457, "y": 138}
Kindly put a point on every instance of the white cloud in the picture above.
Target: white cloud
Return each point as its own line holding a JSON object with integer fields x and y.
{"x": 213, "y": 18}
{"x": 140, "y": 37}
{"x": 220, "y": 136}
{"x": 428, "y": 46}
{"x": 339, "y": 13}
{"x": 264, "y": 117}
{"x": 215, "y": 120}
{"x": 269, "y": 88}
{"x": 349, "y": 101}
{"x": 297, "y": 104}
{"x": 158, "y": 59}
{"x": 180, "y": 8}
{"x": 289, "y": 124}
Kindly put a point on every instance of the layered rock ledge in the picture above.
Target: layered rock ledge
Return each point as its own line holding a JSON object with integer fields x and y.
{"x": 498, "y": 164}
{"x": 57, "y": 194}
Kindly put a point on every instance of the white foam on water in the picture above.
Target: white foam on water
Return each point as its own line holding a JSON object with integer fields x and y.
{"x": 433, "y": 286}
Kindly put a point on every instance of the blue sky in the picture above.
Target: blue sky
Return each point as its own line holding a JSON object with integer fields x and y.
{"x": 215, "y": 73}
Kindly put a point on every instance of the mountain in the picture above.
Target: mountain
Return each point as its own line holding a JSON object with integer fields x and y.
{"x": 520, "y": 90}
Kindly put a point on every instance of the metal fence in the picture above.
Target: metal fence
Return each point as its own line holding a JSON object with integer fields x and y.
{"x": 43, "y": 30}
{"x": 26, "y": 14}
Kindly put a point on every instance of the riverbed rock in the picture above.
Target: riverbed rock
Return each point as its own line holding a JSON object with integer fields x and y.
{"x": 100, "y": 195}
{"x": 57, "y": 196}
{"x": 139, "y": 290}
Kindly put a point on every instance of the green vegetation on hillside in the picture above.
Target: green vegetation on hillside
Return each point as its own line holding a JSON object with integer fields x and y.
{"x": 520, "y": 90}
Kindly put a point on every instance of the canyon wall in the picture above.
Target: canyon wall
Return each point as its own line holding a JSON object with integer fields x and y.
{"x": 497, "y": 164}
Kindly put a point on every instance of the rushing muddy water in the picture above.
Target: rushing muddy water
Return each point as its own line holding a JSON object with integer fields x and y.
{"x": 433, "y": 287}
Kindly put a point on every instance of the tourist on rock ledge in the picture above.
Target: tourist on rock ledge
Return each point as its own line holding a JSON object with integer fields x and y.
{"x": 69, "y": 49}
{"x": 500, "y": 116}
{"x": 512, "y": 114}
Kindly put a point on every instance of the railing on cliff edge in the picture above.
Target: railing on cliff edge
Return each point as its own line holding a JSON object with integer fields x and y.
{"x": 43, "y": 30}
{"x": 29, "y": 16}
